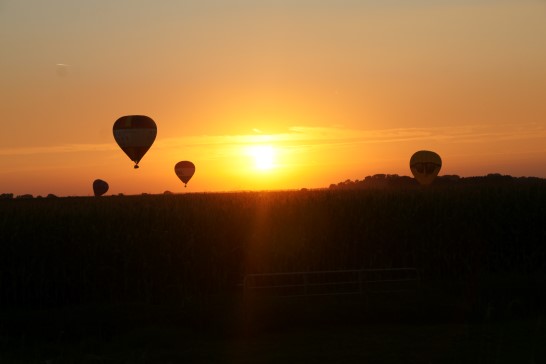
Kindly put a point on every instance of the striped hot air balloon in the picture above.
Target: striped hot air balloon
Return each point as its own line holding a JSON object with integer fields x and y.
{"x": 100, "y": 187}
{"x": 425, "y": 166}
{"x": 135, "y": 134}
{"x": 184, "y": 170}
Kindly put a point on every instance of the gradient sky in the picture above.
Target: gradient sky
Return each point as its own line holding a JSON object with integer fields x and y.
{"x": 340, "y": 89}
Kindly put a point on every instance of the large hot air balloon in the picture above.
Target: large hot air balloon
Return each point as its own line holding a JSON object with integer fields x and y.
{"x": 135, "y": 134}
{"x": 425, "y": 166}
{"x": 100, "y": 187}
{"x": 184, "y": 170}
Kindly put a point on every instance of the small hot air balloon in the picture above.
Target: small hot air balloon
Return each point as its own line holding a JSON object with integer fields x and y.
{"x": 425, "y": 166}
{"x": 100, "y": 187}
{"x": 135, "y": 134}
{"x": 184, "y": 170}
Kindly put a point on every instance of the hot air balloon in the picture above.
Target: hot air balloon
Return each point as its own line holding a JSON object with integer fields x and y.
{"x": 425, "y": 166}
{"x": 100, "y": 187}
{"x": 135, "y": 134}
{"x": 184, "y": 170}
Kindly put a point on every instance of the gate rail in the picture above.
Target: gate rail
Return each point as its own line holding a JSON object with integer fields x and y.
{"x": 334, "y": 282}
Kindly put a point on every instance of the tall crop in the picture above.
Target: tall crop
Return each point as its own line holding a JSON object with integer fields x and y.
{"x": 177, "y": 247}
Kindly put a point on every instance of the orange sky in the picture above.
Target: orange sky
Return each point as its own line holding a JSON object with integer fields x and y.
{"x": 339, "y": 89}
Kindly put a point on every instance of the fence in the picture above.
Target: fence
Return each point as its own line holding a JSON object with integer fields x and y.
{"x": 341, "y": 282}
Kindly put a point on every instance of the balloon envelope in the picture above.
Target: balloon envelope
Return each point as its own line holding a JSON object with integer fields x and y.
{"x": 425, "y": 166}
{"x": 184, "y": 170}
{"x": 100, "y": 187}
{"x": 135, "y": 134}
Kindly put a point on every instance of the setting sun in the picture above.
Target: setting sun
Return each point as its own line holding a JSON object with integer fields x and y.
{"x": 264, "y": 156}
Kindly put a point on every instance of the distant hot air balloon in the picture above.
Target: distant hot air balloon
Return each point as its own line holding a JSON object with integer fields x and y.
{"x": 425, "y": 166}
{"x": 184, "y": 170}
{"x": 135, "y": 134}
{"x": 100, "y": 187}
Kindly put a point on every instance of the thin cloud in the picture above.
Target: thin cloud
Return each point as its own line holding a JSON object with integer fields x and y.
{"x": 304, "y": 137}
{"x": 62, "y": 69}
{"x": 60, "y": 149}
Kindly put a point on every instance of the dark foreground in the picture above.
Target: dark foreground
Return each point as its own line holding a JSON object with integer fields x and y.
{"x": 157, "y": 279}
{"x": 327, "y": 330}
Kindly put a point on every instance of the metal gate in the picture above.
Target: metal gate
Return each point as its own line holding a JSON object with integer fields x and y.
{"x": 336, "y": 282}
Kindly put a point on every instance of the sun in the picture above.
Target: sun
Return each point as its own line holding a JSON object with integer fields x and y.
{"x": 264, "y": 156}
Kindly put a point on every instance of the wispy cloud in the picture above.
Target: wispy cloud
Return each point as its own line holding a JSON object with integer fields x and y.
{"x": 317, "y": 137}
{"x": 450, "y": 134}
{"x": 58, "y": 149}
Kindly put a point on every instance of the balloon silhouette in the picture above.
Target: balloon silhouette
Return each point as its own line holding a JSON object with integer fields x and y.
{"x": 184, "y": 170}
{"x": 135, "y": 134}
{"x": 425, "y": 166}
{"x": 100, "y": 187}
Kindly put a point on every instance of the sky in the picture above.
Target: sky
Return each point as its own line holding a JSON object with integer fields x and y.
{"x": 263, "y": 95}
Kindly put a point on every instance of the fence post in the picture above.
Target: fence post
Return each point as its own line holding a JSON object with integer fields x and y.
{"x": 360, "y": 283}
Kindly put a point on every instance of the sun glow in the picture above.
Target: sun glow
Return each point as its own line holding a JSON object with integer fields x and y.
{"x": 264, "y": 156}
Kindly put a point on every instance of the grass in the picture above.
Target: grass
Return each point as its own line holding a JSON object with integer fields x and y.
{"x": 279, "y": 332}
{"x": 428, "y": 328}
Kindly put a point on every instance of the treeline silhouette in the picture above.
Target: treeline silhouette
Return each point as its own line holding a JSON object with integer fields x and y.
{"x": 396, "y": 181}
{"x": 9, "y": 196}
{"x": 379, "y": 181}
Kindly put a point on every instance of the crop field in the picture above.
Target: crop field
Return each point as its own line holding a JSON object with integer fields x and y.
{"x": 480, "y": 251}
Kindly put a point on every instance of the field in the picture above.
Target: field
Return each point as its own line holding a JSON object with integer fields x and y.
{"x": 93, "y": 279}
